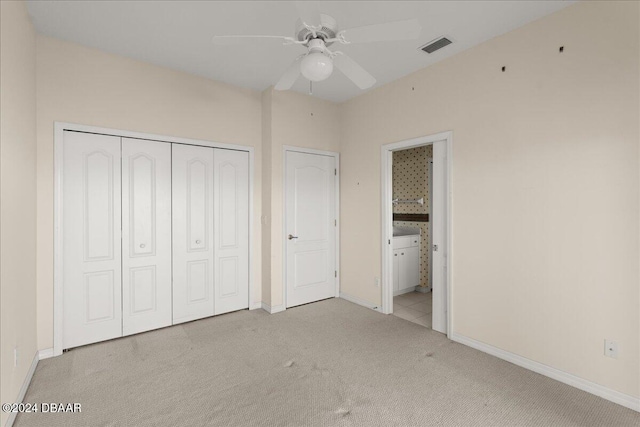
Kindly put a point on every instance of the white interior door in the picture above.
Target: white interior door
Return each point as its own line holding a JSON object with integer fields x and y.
{"x": 231, "y": 230}
{"x": 310, "y": 222}
{"x": 193, "y": 273}
{"x": 146, "y": 235}
{"x": 439, "y": 240}
{"x": 91, "y": 239}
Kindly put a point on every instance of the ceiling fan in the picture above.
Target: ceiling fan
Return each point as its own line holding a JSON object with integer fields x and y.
{"x": 317, "y": 32}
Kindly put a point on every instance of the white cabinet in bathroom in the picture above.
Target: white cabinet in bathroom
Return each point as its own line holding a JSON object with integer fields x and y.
{"x": 396, "y": 270}
{"x": 406, "y": 264}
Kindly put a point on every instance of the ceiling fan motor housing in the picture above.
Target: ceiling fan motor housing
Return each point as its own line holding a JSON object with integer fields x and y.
{"x": 328, "y": 29}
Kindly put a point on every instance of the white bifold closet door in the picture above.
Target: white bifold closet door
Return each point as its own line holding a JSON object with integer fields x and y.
{"x": 153, "y": 233}
{"x": 91, "y": 273}
{"x": 231, "y": 229}
{"x": 210, "y": 231}
{"x": 193, "y": 276}
{"x": 146, "y": 235}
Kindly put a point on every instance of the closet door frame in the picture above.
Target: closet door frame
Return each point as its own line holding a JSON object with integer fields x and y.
{"x": 255, "y": 297}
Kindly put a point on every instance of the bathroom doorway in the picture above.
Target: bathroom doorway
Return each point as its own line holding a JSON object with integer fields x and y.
{"x": 416, "y": 230}
{"x": 411, "y": 203}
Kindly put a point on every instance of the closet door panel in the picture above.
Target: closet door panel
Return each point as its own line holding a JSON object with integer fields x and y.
{"x": 146, "y": 235}
{"x": 91, "y": 239}
{"x": 231, "y": 230}
{"x": 193, "y": 275}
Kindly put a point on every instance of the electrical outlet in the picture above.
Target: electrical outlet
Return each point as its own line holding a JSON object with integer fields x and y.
{"x": 611, "y": 349}
{"x": 376, "y": 281}
{"x": 15, "y": 356}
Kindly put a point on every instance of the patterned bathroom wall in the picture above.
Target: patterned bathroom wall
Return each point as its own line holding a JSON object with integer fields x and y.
{"x": 412, "y": 180}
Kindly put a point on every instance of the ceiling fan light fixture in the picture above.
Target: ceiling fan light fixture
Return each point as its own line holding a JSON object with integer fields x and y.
{"x": 317, "y": 31}
{"x": 316, "y": 66}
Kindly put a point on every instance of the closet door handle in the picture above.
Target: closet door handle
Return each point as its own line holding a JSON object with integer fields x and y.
{"x": 291, "y": 237}
{"x": 198, "y": 242}
{"x": 142, "y": 245}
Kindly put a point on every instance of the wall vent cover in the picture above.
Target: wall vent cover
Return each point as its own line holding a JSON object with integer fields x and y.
{"x": 437, "y": 44}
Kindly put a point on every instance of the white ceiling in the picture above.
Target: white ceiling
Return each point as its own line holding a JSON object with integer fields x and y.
{"x": 177, "y": 34}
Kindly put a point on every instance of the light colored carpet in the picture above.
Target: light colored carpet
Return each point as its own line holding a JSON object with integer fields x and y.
{"x": 323, "y": 364}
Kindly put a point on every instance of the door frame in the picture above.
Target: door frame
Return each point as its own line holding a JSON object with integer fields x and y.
{"x": 386, "y": 242}
{"x": 336, "y": 156}
{"x": 255, "y": 296}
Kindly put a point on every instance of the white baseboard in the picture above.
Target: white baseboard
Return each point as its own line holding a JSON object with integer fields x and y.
{"x": 45, "y": 354}
{"x": 273, "y": 310}
{"x": 23, "y": 389}
{"x": 614, "y": 396}
{"x": 255, "y": 305}
{"x": 359, "y": 301}
{"x": 404, "y": 291}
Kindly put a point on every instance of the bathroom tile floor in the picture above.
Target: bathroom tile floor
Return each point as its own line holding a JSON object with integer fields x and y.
{"x": 414, "y": 307}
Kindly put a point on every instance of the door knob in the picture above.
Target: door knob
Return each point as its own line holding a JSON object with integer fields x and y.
{"x": 142, "y": 245}
{"x": 197, "y": 242}
{"x": 291, "y": 237}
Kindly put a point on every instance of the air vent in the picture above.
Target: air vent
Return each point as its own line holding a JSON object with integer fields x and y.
{"x": 437, "y": 44}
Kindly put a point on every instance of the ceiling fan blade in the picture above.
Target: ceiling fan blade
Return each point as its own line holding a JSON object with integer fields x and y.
{"x": 390, "y": 31}
{"x": 355, "y": 72}
{"x": 308, "y": 12}
{"x": 290, "y": 76}
{"x": 229, "y": 40}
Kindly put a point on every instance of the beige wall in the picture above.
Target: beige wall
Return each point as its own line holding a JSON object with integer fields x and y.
{"x": 545, "y": 187}
{"x": 89, "y": 87}
{"x": 18, "y": 194}
{"x": 301, "y": 121}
